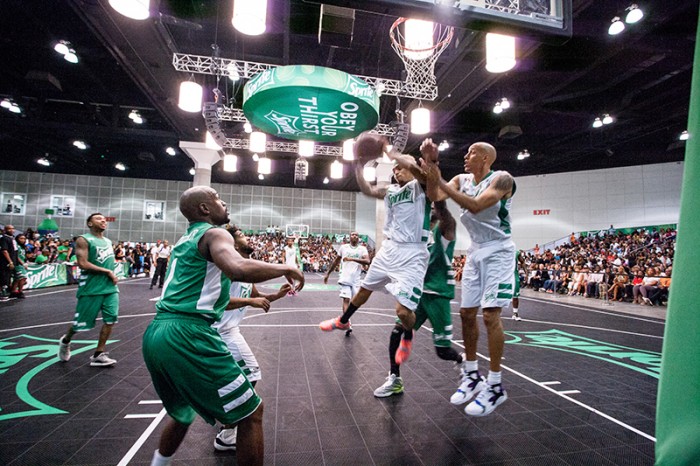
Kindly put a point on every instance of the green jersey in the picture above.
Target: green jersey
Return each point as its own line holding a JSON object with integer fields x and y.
{"x": 440, "y": 276}
{"x": 193, "y": 285}
{"x": 63, "y": 253}
{"x": 101, "y": 254}
{"x": 22, "y": 254}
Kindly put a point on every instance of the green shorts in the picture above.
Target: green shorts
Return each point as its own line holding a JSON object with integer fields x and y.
{"x": 193, "y": 371}
{"x": 90, "y": 306}
{"x": 19, "y": 273}
{"x": 436, "y": 309}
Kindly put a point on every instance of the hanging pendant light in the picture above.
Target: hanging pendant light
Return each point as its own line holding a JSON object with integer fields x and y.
{"x": 190, "y": 97}
{"x": 258, "y": 141}
{"x": 420, "y": 120}
{"x": 348, "y": 150}
{"x": 264, "y": 166}
{"x": 210, "y": 142}
{"x": 419, "y": 39}
{"x": 306, "y": 148}
{"x": 500, "y": 53}
{"x": 249, "y": 16}
{"x": 134, "y": 9}
{"x": 336, "y": 170}
{"x": 230, "y": 163}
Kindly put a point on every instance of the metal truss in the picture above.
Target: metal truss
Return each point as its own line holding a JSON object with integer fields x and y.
{"x": 290, "y": 147}
{"x": 506, "y": 6}
{"x": 245, "y": 69}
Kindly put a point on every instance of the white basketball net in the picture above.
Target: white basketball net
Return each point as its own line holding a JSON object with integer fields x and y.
{"x": 419, "y": 58}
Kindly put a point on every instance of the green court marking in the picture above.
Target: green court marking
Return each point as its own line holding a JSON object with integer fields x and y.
{"x": 645, "y": 362}
{"x": 15, "y": 349}
{"x": 307, "y": 287}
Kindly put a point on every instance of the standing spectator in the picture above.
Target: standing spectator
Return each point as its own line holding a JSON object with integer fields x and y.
{"x": 97, "y": 291}
{"x": 20, "y": 272}
{"x": 163, "y": 256}
{"x": 8, "y": 261}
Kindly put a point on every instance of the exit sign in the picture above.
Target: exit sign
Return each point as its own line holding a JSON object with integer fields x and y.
{"x": 111, "y": 219}
{"x": 541, "y": 212}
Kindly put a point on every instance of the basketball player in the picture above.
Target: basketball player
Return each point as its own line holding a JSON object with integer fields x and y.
{"x": 485, "y": 197}
{"x": 291, "y": 256}
{"x": 352, "y": 256}
{"x": 400, "y": 264}
{"x": 97, "y": 291}
{"x": 519, "y": 262}
{"x": 242, "y": 295}
{"x": 191, "y": 367}
{"x": 438, "y": 290}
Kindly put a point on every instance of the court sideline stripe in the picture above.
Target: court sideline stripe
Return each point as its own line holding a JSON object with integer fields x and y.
{"x": 141, "y": 440}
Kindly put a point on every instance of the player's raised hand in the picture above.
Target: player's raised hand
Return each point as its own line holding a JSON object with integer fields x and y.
{"x": 429, "y": 150}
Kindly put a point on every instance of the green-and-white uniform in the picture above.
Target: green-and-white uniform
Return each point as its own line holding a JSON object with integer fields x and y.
{"x": 438, "y": 289}
{"x": 21, "y": 269}
{"x": 191, "y": 367}
{"x": 96, "y": 291}
{"x": 487, "y": 277}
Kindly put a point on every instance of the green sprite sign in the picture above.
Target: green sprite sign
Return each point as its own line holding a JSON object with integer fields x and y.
{"x": 41, "y": 276}
{"x": 310, "y": 102}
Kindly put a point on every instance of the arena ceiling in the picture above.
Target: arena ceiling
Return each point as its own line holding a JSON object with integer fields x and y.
{"x": 640, "y": 77}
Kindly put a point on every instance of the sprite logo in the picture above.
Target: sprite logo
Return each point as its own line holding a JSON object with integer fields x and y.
{"x": 646, "y": 362}
{"x": 403, "y": 196}
{"x": 46, "y": 275}
{"x": 24, "y": 348}
{"x": 285, "y": 124}
{"x": 104, "y": 253}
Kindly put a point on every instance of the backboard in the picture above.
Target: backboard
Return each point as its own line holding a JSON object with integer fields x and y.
{"x": 542, "y": 20}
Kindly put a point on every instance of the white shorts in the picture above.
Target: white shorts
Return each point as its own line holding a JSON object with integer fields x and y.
{"x": 348, "y": 291}
{"x": 399, "y": 268}
{"x": 241, "y": 353}
{"x": 487, "y": 278}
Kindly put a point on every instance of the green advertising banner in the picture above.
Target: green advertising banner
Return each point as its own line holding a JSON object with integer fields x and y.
{"x": 678, "y": 405}
{"x": 41, "y": 276}
{"x": 310, "y": 102}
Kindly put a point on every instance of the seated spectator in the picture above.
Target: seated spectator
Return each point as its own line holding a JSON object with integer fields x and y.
{"x": 660, "y": 295}
{"x": 580, "y": 282}
{"x": 43, "y": 257}
{"x": 649, "y": 285}
{"x": 595, "y": 278}
{"x": 551, "y": 285}
{"x": 541, "y": 275}
{"x": 618, "y": 287}
{"x": 637, "y": 282}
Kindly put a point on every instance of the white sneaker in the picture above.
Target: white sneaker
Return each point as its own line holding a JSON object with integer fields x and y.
{"x": 392, "y": 386}
{"x": 516, "y": 316}
{"x": 226, "y": 439}
{"x": 486, "y": 401}
{"x": 102, "y": 360}
{"x": 472, "y": 383}
{"x": 63, "y": 350}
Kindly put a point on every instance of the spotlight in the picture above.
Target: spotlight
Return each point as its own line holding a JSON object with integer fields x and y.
{"x": 6, "y": 104}
{"x": 616, "y": 27}
{"x": 684, "y": 136}
{"x": 505, "y": 103}
{"x": 523, "y": 154}
{"x": 61, "y": 47}
{"x": 120, "y": 166}
{"x": 261, "y": 176}
{"x": 247, "y": 127}
{"x": 607, "y": 119}
{"x": 233, "y": 73}
{"x": 43, "y": 161}
{"x": 326, "y": 180}
{"x": 14, "y": 108}
{"x": 634, "y": 14}
{"x": 444, "y": 145}
{"x": 597, "y": 123}
{"x": 497, "y": 108}
{"x": 71, "y": 57}
{"x": 192, "y": 171}
{"x": 80, "y": 144}
{"x": 170, "y": 151}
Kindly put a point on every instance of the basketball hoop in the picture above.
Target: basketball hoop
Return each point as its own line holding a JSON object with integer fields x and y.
{"x": 420, "y": 60}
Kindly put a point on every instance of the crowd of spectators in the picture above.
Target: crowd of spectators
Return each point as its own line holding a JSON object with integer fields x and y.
{"x": 633, "y": 267}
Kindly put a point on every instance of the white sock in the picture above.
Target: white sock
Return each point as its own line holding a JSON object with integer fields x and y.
{"x": 160, "y": 460}
{"x": 515, "y": 310}
{"x": 470, "y": 366}
{"x": 494, "y": 378}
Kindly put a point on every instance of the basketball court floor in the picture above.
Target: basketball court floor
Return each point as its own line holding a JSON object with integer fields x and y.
{"x": 581, "y": 378}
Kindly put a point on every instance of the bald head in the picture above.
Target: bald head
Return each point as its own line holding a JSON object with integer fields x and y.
{"x": 202, "y": 204}
{"x": 488, "y": 151}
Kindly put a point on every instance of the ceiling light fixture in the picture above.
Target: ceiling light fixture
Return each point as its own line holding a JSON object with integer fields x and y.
{"x": 497, "y": 108}
{"x": 232, "y": 72}
{"x": 192, "y": 172}
{"x": 230, "y": 163}
{"x": 120, "y": 166}
{"x": 523, "y": 154}
{"x": 190, "y": 99}
{"x": 326, "y": 180}
{"x": 6, "y": 103}
{"x": 634, "y": 14}
{"x": 419, "y": 39}
{"x": 264, "y": 166}
{"x": 348, "y": 147}
{"x": 134, "y": 9}
{"x": 500, "y": 53}
{"x": 14, "y": 108}
{"x": 597, "y": 123}
{"x": 261, "y": 176}
{"x": 258, "y": 142}
{"x": 505, "y": 103}
{"x": 170, "y": 151}
{"x": 306, "y": 148}
{"x": 80, "y": 144}
{"x": 62, "y": 47}
{"x": 684, "y": 136}
{"x": 616, "y": 27}
{"x": 607, "y": 119}
{"x": 43, "y": 161}
{"x": 444, "y": 145}
{"x": 420, "y": 120}
{"x": 336, "y": 170}
{"x": 247, "y": 127}
{"x": 250, "y": 16}
{"x": 256, "y": 157}
{"x": 71, "y": 57}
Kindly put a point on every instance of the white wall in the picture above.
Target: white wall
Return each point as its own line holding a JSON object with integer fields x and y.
{"x": 590, "y": 200}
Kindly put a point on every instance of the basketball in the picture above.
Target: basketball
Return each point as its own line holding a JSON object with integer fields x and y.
{"x": 369, "y": 147}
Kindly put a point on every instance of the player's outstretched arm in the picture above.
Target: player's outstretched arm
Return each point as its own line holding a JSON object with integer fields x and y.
{"x": 447, "y": 223}
{"x": 365, "y": 187}
{"x": 500, "y": 188}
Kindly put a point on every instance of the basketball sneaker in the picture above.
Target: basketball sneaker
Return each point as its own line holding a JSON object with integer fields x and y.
{"x": 392, "y": 386}
{"x": 333, "y": 324}
{"x": 472, "y": 383}
{"x": 487, "y": 400}
{"x": 516, "y": 316}
{"x": 63, "y": 350}
{"x": 102, "y": 360}
{"x": 403, "y": 351}
{"x": 226, "y": 439}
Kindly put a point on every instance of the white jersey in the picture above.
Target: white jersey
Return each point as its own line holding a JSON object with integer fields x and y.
{"x": 491, "y": 224}
{"x": 350, "y": 271}
{"x": 407, "y": 213}
{"x": 232, "y": 318}
{"x": 290, "y": 255}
